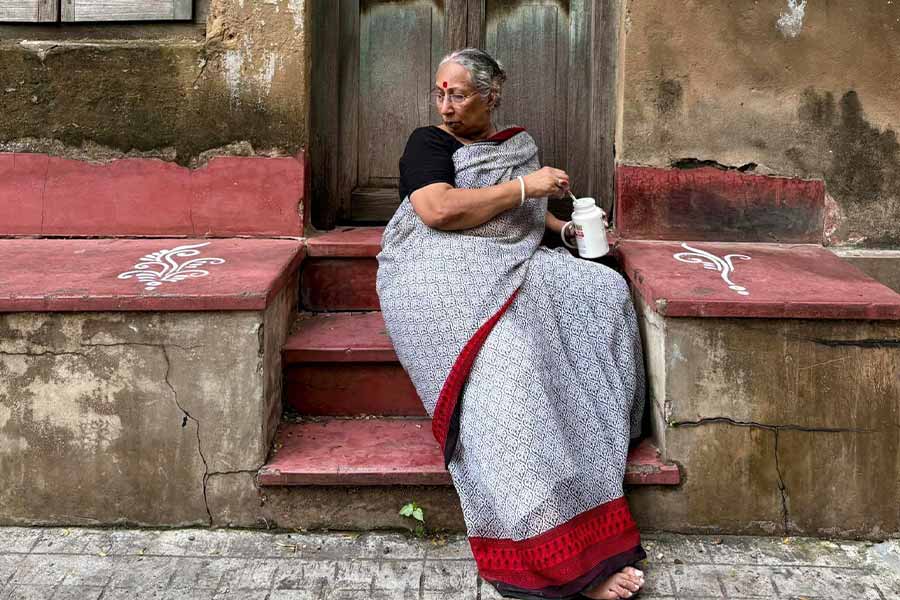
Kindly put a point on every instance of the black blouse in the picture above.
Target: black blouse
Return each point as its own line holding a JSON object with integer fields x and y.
{"x": 427, "y": 159}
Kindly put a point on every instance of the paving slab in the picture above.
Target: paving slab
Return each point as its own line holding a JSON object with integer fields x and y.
{"x": 92, "y": 564}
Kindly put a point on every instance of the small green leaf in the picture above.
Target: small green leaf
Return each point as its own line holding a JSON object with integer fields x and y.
{"x": 419, "y": 530}
{"x": 407, "y": 509}
{"x": 418, "y": 514}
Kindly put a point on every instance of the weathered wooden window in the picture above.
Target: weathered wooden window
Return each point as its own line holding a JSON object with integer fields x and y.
{"x": 29, "y": 11}
{"x": 126, "y": 10}
{"x": 74, "y": 11}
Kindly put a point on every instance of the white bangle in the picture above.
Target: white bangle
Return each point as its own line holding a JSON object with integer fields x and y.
{"x": 522, "y": 186}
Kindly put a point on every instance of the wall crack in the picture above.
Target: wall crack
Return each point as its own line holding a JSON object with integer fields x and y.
{"x": 782, "y": 488}
{"x": 84, "y": 355}
{"x": 44, "y": 353}
{"x": 775, "y": 429}
{"x": 769, "y": 427}
{"x": 191, "y": 418}
{"x": 149, "y": 345}
{"x": 864, "y": 343}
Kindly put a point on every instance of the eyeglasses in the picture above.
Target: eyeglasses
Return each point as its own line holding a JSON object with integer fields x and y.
{"x": 437, "y": 97}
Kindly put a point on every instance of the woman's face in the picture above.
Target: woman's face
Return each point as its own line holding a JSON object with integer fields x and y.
{"x": 470, "y": 118}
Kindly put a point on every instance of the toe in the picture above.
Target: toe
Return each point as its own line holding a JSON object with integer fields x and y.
{"x": 636, "y": 573}
{"x": 635, "y": 576}
{"x": 620, "y": 591}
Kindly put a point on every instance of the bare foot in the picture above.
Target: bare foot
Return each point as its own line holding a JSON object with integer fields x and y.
{"x": 623, "y": 584}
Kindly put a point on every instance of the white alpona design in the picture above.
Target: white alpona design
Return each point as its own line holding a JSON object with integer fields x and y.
{"x": 169, "y": 270}
{"x": 713, "y": 263}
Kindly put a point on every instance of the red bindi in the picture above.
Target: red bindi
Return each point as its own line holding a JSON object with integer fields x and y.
{"x": 445, "y": 85}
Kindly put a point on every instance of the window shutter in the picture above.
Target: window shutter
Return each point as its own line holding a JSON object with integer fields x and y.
{"x": 126, "y": 10}
{"x": 28, "y": 11}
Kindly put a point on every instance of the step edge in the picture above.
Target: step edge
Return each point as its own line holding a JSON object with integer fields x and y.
{"x": 290, "y": 356}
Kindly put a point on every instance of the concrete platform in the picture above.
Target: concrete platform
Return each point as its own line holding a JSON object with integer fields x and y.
{"x": 126, "y": 405}
{"x": 196, "y": 564}
{"x": 795, "y": 421}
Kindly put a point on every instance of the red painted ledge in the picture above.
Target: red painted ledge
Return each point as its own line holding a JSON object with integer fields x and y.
{"x": 47, "y": 196}
{"x": 794, "y": 281}
{"x": 717, "y": 205}
{"x": 395, "y": 452}
{"x": 104, "y": 274}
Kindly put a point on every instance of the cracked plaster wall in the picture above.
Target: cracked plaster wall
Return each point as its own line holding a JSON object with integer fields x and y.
{"x": 806, "y": 89}
{"x": 235, "y": 81}
{"x": 115, "y": 417}
{"x": 780, "y": 426}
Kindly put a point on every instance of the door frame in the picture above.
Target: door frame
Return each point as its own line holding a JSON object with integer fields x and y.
{"x": 334, "y": 60}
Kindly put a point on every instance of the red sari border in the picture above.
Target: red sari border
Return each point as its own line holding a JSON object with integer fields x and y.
{"x": 561, "y": 555}
{"x": 448, "y": 399}
{"x": 502, "y": 136}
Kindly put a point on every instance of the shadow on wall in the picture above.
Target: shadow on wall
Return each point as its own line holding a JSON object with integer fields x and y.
{"x": 864, "y": 170}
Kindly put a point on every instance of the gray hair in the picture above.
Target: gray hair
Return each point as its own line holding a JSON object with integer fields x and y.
{"x": 487, "y": 73}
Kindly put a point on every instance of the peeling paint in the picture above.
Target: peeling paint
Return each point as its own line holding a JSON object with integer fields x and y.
{"x": 267, "y": 75}
{"x": 790, "y": 23}
{"x": 234, "y": 60}
{"x": 296, "y": 9}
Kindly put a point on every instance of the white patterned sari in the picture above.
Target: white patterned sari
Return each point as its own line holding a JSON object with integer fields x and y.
{"x": 529, "y": 362}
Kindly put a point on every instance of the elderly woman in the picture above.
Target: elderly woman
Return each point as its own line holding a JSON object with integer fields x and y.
{"x": 528, "y": 359}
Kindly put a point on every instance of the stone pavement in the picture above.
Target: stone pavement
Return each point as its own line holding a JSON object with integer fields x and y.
{"x": 114, "y": 564}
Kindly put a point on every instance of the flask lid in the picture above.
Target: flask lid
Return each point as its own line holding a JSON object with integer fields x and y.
{"x": 583, "y": 203}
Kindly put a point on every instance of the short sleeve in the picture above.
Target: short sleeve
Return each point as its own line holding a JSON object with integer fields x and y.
{"x": 427, "y": 159}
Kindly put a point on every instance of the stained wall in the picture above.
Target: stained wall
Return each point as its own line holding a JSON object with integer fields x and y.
{"x": 802, "y": 88}
{"x": 234, "y": 81}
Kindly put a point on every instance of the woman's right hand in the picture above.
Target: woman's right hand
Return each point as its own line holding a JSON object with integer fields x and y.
{"x": 547, "y": 181}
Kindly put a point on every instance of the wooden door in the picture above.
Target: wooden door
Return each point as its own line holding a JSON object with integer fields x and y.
{"x": 560, "y": 58}
{"x": 373, "y": 65}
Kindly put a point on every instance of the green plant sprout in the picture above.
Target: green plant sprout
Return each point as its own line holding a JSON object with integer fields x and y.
{"x": 417, "y": 513}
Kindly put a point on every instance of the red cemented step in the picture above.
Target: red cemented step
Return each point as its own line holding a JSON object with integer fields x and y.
{"x": 332, "y": 284}
{"x": 341, "y": 337}
{"x": 356, "y": 452}
{"x": 346, "y": 242}
{"x": 340, "y": 364}
{"x": 350, "y": 389}
{"x": 395, "y": 452}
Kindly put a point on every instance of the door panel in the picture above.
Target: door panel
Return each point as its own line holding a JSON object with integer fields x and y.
{"x": 384, "y": 95}
{"x": 530, "y": 39}
{"x": 396, "y": 43}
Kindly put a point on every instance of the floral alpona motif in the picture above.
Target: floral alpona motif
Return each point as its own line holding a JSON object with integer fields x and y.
{"x": 157, "y": 268}
{"x": 712, "y": 262}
